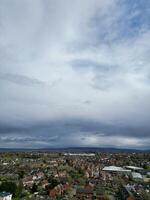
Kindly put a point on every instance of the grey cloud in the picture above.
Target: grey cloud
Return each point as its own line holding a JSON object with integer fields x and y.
{"x": 65, "y": 127}
{"x": 21, "y": 79}
{"x": 101, "y": 82}
{"x": 87, "y": 102}
{"x": 95, "y": 66}
{"x": 28, "y": 139}
{"x": 68, "y": 132}
{"x": 103, "y": 74}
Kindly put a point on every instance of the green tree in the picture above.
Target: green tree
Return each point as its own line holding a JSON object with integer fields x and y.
{"x": 146, "y": 166}
{"x": 53, "y": 182}
{"x": 106, "y": 197}
{"x": 145, "y": 196}
{"x": 19, "y": 189}
{"x": 34, "y": 188}
{"x": 8, "y": 187}
{"x": 21, "y": 174}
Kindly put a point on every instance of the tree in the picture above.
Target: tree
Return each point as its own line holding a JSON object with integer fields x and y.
{"x": 34, "y": 188}
{"x": 145, "y": 196}
{"x": 146, "y": 166}
{"x": 8, "y": 187}
{"x": 19, "y": 189}
{"x": 21, "y": 174}
{"x": 106, "y": 197}
{"x": 53, "y": 182}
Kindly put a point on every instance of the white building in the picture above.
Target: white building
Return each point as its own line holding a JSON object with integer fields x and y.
{"x": 134, "y": 168}
{"x": 115, "y": 169}
{"x": 136, "y": 176}
{"x": 5, "y": 196}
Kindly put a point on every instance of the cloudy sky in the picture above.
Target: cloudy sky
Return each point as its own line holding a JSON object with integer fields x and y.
{"x": 75, "y": 73}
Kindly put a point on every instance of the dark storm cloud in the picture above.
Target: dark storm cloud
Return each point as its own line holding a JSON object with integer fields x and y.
{"x": 65, "y": 127}
{"x": 66, "y": 133}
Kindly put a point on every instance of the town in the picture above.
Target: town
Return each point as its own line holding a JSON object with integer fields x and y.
{"x": 72, "y": 176}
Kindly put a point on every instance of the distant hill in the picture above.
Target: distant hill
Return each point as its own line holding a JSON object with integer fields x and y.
{"x": 76, "y": 149}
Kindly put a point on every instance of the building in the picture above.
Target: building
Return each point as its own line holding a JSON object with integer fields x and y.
{"x": 134, "y": 168}
{"x": 136, "y": 176}
{"x": 127, "y": 194}
{"x": 84, "y": 193}
{"x": 115, "y": 169}
{"x": 5, "y": 196}
{"x": 101, "y": 196}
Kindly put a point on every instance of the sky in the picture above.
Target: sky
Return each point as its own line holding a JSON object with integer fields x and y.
{"x": 75, "y": 73}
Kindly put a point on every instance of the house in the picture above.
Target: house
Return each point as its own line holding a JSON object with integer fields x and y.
{"x": 127, "y": 194}
{"x": 28, "y": 181}
{"x": 40, "y": 175}
{"x": 5, "y": 196}
{"x": 58, "y": 190}
{"x": 100, "y": 195}
{"x": 44, "y": 183}
{"x": 84, "y": 193}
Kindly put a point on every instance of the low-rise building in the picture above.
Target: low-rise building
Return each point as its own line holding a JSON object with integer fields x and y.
{"x": 84, "y": 193}
{"x": 5, "y": 196}
{"x": 136, "y": 176}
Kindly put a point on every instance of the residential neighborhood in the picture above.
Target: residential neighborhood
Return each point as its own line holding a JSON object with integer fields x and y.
{"x": 74, "y": 176}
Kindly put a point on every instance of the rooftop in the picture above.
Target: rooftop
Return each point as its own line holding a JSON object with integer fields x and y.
{"x": 133, "y": 167}
{"x": 115, "y": 168}
{"x": 137, "y": 175}
{"x": 5, "y": 194}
